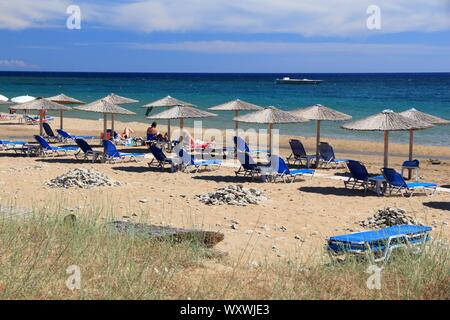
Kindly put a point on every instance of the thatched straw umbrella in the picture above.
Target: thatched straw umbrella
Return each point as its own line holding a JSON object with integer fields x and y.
{"x": 182, "y": 112}
{"x": 117, "y": 100}
{"x": 387, "y": 121}
{"x": 166, "y": 102}
{"x": 236, "y": 106}
{"x": 320, "y": 113}
{"x": 63, "y": 99}
{"x": 420, "y": 116}
{"x": 105, "y": 107}
{"x": 270, "y": 116}
{"x": 42, "y": 105}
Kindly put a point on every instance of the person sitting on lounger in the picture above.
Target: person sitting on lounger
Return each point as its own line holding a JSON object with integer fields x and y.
{"x": 127, "y": 132}
{"x": 154, "y": 134}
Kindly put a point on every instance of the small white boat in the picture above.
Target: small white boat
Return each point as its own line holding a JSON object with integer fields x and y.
{"x": 287, "y": 80}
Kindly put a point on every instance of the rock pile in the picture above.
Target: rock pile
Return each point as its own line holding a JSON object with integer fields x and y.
{"x": 388, "y": 217}
{"x": 232, "y": 195}
{"x": 82, "y": 178}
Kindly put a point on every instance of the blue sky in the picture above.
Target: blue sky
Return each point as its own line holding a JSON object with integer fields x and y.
{"x": 226, "y": 36}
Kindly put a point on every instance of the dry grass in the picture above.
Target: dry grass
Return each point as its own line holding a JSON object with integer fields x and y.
{"x": 36, "y": 252}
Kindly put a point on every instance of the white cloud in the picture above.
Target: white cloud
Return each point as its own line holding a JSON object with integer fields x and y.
{"x": 310, "y": 18}
{"x": 22, "y": 14}
{"x": 265, "y": 47}
{"x": 13, "y": 63}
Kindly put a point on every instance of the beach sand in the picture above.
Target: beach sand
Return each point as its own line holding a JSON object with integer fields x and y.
{"x": 311, "y": 209}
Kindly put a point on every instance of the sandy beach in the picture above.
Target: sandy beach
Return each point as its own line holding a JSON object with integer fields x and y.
{"x": 295, "y": 219}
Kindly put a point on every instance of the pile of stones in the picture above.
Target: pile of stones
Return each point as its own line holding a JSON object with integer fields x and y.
{"x": 232, "y": 195}
{"x": 82, "y": 178}
{"x": 388, "y": 217}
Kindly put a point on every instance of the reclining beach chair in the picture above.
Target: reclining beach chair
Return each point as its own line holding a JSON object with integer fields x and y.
{"x": 87, "y": 151}
{"x": 111, "y": 153}
{"x": 411, "y": 165}
{"x": 396, "y": 182}
{"x": 281, "y": 170}
{"x": 160, "y": 158}
{"x": 46, "y": 148}
{"x": 64, "y": 136}
{"x": 327, "y": 157}
{"x": 49, "y": 134}
{"x": 299, "y": 154}
{"x": 8, "y": 145}
{"x": 249, "y": 168}
{"x": 242, "y": 146}
{"x": 359, "y": 176}
{"x": 188, "y": 161}
{"x": 378, "y": 245}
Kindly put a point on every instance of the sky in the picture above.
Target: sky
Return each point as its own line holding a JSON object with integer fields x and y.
{"x": 280, "y": 36}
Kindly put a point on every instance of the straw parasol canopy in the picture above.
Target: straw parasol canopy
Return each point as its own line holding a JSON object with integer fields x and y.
{"x": 420, "y": 116}
{"x": 42, "y": 105}
{"x": 105, "y": 107}
{"x": 118, "y": 100}
{"x": 387, "y": 121}
{"x": 320, "y": 113}
{"x": 270, "y": 116}
{"x": 236, "y": 106}
{"x": 115, "y": 99}
{"x": 166, "y": 102}
{"x": 182, "y": 112}
{"x": 63, "y": 99}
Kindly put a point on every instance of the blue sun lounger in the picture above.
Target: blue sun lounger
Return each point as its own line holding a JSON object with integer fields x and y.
{"x": 299, "y": 154}
{"x": 327, "y": 156}
{"x": 281, "y": 170}
{"x": 46, "y": 148}
{"x": 8, "y": 145}
{"x": 359, "y": 176}
{"x": 188, "y": 161}
{"x": 49, "y": 134}
{"x": 111, "y": 153}
{"x": 378, "y": 245}
{"x": 86, "y": 151}
{"x": 249, "y": 168}
{"x": 242, "y": 146}
{"x": 396, "y": 182}
{"x": 64, "y": 136}
{"x": 160, "y": 158}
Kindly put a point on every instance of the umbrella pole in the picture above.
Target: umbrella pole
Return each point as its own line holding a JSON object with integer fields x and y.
{"x": 112, "y": 124}
{"x": 181, "y": 124}
{"x": 386, "y": 148}
{"x": 168, "y": 130}
{"x": 236, "y": 124}
{"x": 41, "y": 120}
{"x": 317, "y": 143}
{"x": 411, "y": 144}
{"x": 105, "y": 120}
{"x": 270, "y": 138}
{"x": 61, "y": 119}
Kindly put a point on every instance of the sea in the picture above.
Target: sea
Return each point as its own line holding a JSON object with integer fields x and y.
{"x": 357, "y": 94}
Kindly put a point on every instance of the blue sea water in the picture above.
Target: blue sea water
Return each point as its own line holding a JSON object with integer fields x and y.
{"x": 359, "y": 95}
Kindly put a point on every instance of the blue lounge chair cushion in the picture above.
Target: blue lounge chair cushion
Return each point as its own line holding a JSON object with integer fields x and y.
{"x": 301, "y": 171}
{"x": 414, "y": 185}
{"x": 65, "y": 148}
{"x": 12, "y": 142}
{"x": 411, "y": 163}
{"x": 198, "y": 162}
{"x": 380, "y": 235}
{"x": 125, "y": 154}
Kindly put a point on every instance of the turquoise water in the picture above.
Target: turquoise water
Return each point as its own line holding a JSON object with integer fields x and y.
{"x": 359, "y": 95}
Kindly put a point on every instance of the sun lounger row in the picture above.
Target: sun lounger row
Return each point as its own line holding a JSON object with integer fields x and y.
{"x": 327, "y": 157}
{"x": 390, "y": 180}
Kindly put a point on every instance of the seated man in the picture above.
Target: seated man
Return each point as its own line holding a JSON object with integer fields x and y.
{"x": 154, "y": 134}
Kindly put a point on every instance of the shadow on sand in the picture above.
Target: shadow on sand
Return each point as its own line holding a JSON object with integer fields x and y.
{"x": 440, "y": 205}
{"x": 228, "y": 179}
{"x": 140, "y": 169}
{"x": 337, "y": 191}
